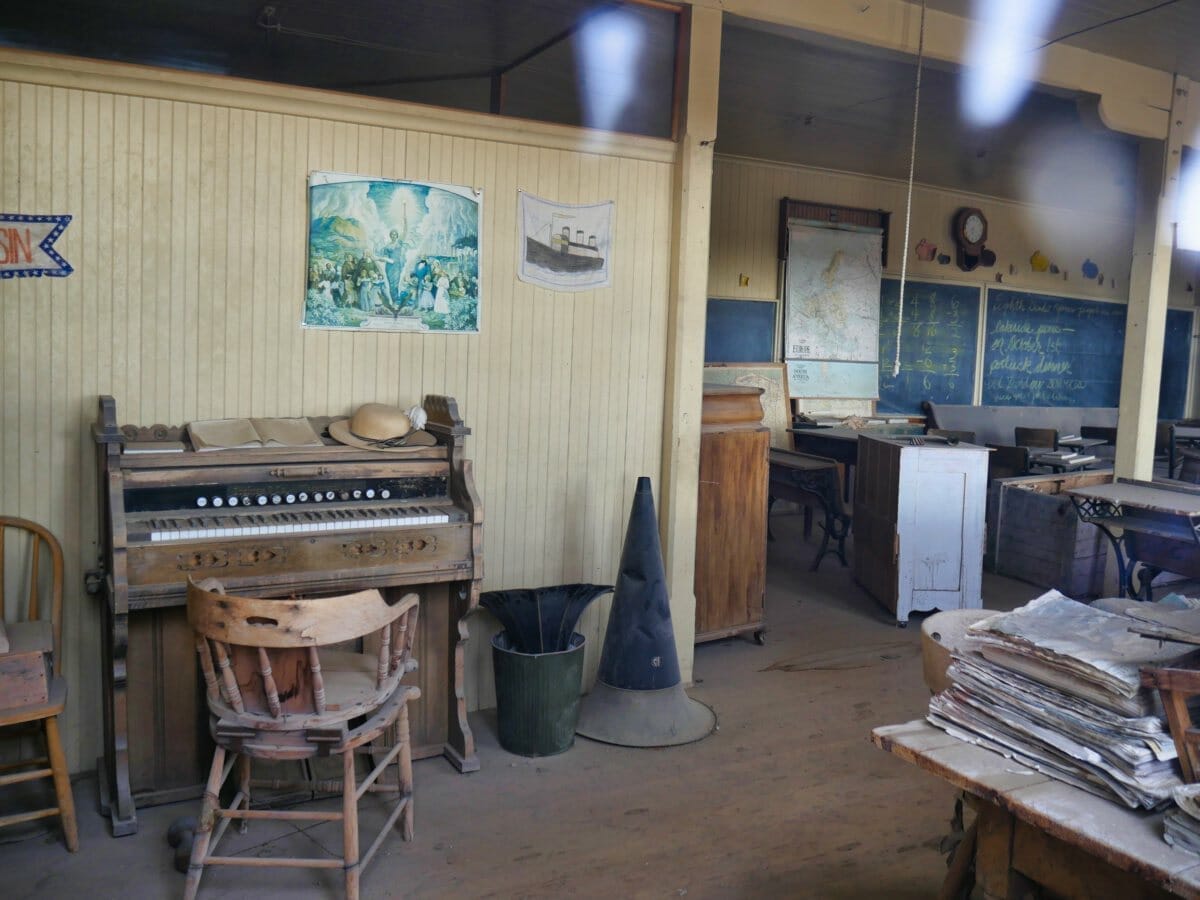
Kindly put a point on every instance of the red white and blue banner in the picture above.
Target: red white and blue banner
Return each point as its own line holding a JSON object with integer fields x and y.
{"x": 27, "y": 246}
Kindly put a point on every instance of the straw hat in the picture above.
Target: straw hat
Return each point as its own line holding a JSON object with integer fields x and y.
{"x": 377, "y": 426}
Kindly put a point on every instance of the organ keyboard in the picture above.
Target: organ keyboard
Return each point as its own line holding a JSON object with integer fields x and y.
{"x": 191, "y": 528}
{"x": 279, "y": 521}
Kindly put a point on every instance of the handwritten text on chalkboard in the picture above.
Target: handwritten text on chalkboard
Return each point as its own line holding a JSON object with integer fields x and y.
{"x": 1052, "y": 351}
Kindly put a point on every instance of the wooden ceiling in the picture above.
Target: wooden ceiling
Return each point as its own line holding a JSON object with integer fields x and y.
{"x": 1153, "y": 33}
{"x": 812, "y": 101}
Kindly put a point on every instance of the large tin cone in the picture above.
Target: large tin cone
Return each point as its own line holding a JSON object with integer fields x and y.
{"x": 638, "y": 700}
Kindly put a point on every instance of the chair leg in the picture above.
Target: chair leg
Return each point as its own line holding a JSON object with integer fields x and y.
{"x": 62, "y": 784}
{"x": 404, "y": 758}
{"x": 244, "y": 786}
{"x": 204, "y": 827}
{"x": 350, "y": 825}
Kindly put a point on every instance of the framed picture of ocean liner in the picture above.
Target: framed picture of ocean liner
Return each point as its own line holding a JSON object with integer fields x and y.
{"x": 392, "y": 255}
{"x": 565, "y": 246}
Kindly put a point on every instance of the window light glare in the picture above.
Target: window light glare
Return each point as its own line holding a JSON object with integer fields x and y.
{"x": 1001, "y": 59}
{"x": 608, "y": 52}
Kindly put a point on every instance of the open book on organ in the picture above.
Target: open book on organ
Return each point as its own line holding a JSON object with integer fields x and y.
{"x": 228, "y": 434}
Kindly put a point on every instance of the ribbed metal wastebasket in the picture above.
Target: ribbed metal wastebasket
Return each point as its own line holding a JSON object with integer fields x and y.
{"x": 537, "y": 696}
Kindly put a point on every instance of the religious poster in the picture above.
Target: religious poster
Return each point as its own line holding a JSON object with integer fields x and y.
{"x": 565, "y": 246}
{"x": 392, "y": 255}
{"x": 27, "y": 246}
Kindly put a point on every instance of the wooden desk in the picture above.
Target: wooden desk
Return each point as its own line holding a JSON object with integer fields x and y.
{"x": 839, "y": 444}
{"x": 800, "y": 477}
{"x": 1153, "y": 524}
{"x": 1032, "y": 828}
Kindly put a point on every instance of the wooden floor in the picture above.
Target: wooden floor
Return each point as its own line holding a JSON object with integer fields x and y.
{"x": 787, "y": 799}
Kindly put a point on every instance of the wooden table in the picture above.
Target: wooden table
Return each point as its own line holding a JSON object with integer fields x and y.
{"x": 1032, "y": 828}
{"x": 801, "y": 478}
{"x": 1153, "y": 524}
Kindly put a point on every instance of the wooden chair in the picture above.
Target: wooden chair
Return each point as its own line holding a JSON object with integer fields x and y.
{"x": 1036, "y": 438}
{"x": 1007, "y": 462}
{"x": 1189, "y": 466}
{"x": 1175, "y": 688}
{"x": 277, "y": 690}
{"x": 32, "y": 687}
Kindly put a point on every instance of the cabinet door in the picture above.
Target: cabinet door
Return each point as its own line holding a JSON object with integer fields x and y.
{"x": 941, "y": 529}
{"x": 731, "y": 531}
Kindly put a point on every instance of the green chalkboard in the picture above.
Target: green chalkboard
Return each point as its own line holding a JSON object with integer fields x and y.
{"x": 1041, "y": 350}
{"x": 1177, "y": 358}
{"x": 938, "y": 343}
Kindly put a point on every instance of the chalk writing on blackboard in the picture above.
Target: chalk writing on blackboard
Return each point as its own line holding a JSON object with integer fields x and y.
{"x": 937, "y": 345}
{"x": 1177, "y": 353}
{"x": 1052, "y": 351}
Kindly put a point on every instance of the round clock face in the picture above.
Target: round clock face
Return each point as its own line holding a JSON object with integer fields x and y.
{"x": 973, "y": 228}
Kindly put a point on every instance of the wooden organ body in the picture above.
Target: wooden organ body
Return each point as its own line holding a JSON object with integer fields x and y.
{"x": 279, "y": 521}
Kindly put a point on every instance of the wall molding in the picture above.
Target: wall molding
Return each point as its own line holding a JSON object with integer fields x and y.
{"x": 226, "y": 91}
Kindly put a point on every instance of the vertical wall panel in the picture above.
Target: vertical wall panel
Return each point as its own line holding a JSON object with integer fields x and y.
{"x": 188, "y": 241}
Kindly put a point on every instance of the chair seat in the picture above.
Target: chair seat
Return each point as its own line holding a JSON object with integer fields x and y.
{"x": 351, "y": 690}
{"x": 53, "y": 706}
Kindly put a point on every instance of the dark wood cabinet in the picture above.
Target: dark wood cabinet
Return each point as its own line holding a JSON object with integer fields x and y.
{"x": 731, "y": 530}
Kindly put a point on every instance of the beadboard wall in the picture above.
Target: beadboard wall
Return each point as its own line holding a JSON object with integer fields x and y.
{"x": 188, "y": 239}
{"x": 745, "y": 238}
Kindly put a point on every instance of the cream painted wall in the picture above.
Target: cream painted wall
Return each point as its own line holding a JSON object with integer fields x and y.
{"x": 745, "y": 231}
{"x": 188, "y": 195}
{"x": 745, "y": 235}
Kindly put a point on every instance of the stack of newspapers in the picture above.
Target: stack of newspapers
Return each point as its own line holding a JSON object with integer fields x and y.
{"x": 1181, "y": 824}
{"x": 1054, "y": 685}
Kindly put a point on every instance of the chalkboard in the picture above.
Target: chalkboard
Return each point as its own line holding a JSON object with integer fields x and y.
{"x": 740, "y": 331}
{"x": 1177, "y": 356}
{"x": 937, "y": 344}
{"x": 1052, "y": 351}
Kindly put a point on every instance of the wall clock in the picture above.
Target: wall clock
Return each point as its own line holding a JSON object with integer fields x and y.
{"x": 970, "y": 231}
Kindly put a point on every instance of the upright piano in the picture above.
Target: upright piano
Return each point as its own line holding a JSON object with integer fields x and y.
{"x": 280, "y": 521}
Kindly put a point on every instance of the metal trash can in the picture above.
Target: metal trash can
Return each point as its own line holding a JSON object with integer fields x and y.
{"x": 537, "y": 696}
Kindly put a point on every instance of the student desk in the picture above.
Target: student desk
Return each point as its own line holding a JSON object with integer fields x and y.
{"x": 839, "y": 444}
{"x": 1154, "y": 524}
{"x": 1032, "y": 828}
{"x": 801, "y": 478}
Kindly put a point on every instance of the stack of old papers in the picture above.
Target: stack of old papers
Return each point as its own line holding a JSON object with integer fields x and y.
{"x": 1181, "y": 825}
{"x": 1055, "y": 686}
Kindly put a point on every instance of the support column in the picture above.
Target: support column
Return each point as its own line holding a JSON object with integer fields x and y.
{"x": 1149, "y": 282}
{"x": 692, "y": 194}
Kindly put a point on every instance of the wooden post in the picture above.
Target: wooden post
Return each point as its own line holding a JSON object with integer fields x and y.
{"x": 692, "y": 195}
{"x": 1149, "y": 278}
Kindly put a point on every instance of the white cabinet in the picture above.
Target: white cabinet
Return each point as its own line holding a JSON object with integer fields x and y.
{"x": 919, "y": 523}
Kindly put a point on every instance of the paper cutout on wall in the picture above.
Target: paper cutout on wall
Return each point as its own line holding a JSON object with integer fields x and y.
{"x": 565, "y": 246}
{"x": 27, "y": 246}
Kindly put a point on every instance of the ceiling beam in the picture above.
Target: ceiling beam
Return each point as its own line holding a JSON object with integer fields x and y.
{"x": 1133, "y": 99}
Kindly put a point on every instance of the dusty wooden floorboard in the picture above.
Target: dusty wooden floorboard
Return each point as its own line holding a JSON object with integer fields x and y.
{"x": 788, "y": 799}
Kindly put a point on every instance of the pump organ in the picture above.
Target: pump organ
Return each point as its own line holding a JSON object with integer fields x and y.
{"x": 280, "y": 521}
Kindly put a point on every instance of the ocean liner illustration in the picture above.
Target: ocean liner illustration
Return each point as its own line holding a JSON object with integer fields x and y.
{"x": 559, "y": 252}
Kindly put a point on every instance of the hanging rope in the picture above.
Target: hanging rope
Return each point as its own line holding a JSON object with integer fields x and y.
{"x": 912, "y": 167}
